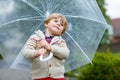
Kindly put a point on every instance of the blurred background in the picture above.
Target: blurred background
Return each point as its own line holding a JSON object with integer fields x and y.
{"x": 111, "y": 11}
{"x": 106, "y": 63}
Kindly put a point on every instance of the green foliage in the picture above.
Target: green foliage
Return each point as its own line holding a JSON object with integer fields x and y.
{"x": 106, "y": 66}
{"x": 101, "y": 4}
{"x": 0, "y": 56}
{"x": 105, "y": 38}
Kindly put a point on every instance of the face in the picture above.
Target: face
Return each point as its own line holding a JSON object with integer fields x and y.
{"x": 55, "y": 27}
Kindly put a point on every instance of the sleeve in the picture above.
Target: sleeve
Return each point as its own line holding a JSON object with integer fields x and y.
{"x": 61, "y": 50}
{"x": 30, "y": 47}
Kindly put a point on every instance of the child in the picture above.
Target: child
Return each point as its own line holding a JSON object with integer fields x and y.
{"x": 42, "y": 44}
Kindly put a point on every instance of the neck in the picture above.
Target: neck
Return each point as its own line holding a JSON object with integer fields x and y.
{"x": 48, "y": 33}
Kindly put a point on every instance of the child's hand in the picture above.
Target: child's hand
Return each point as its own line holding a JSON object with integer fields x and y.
{"x": 39, "y": 52}
{"x": 46, "y": 45}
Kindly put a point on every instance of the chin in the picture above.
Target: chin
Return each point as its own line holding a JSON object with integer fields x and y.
{"x": 57, "y": 34}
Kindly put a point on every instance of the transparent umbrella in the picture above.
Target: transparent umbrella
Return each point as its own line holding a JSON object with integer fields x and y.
{"x": 20, "y": 18}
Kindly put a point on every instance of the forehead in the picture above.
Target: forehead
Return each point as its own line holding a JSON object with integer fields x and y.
{"x": 60, "y": 19}
{"x": 56, "y": 16}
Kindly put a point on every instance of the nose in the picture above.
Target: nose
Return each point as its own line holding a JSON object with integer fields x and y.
{"x": 58, "y": 23}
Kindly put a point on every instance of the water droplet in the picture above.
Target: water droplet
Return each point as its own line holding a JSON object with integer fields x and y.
{"x": 47, "y": 14}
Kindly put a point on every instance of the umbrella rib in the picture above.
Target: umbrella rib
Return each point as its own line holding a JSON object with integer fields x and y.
{"x": 35, "y": 8}
{"x": 57, "y": 6}
{"x": 16, "y": 20}
{"x": 85, "y": 18}
{"x": 78, "y": 46}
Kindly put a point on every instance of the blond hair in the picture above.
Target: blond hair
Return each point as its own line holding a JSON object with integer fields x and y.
{"x": 56, "y": 16}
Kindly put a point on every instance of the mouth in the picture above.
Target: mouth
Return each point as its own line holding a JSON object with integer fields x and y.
{"x": 56, "y": 27}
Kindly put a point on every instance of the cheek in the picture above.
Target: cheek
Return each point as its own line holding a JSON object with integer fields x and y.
{"x": 62, "y": 29}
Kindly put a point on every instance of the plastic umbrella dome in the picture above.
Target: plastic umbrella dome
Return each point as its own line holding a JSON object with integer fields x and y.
{"x": 20, "y": 18}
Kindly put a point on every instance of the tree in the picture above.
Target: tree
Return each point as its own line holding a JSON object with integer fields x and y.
{"x": 105, "y": 38}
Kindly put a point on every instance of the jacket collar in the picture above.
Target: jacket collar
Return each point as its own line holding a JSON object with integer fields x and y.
{"x": 42, "y": 35}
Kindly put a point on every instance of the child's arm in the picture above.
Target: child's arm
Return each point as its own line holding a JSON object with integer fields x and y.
{"x": 46, "y": 45}
{"x": 39, "y": 52}
{"x": 61, "y": 51}
{"x": 30, "y": 51}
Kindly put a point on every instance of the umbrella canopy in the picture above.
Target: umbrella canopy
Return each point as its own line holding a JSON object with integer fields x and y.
{"x": 21, "y": 18}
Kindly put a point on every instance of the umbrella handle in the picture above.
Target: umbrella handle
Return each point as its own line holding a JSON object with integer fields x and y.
{"x": 46, "y": 59}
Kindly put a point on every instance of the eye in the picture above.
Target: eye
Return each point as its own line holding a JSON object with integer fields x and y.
{"x": 61, "y": 24}
{"x": 55, "y": 20}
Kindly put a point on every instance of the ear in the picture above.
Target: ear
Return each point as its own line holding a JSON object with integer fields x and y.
{"x": 45, "y": 24}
